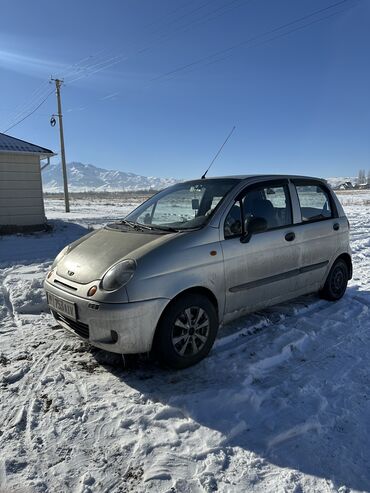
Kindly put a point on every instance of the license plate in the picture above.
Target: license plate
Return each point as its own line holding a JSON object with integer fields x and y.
{"x": 64, "y": 307}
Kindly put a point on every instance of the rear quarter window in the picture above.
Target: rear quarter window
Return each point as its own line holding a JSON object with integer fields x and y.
{"x": 314, "y": 202}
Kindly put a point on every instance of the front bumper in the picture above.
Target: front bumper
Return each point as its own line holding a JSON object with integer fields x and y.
{"x": 133, "y": 324}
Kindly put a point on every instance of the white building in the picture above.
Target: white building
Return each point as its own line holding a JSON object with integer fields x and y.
{"x": 21, "y": 198}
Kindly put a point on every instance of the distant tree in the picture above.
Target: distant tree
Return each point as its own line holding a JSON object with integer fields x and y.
{"x": 361, "y": 177}
{"x": 368, "y": 177}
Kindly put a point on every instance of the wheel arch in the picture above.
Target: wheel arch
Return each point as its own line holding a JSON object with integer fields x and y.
{"x": 348, "y": 260}
{"x": 193, "y": 290}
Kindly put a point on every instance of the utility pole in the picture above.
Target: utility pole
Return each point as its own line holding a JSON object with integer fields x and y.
{"x": 58, "y": 83}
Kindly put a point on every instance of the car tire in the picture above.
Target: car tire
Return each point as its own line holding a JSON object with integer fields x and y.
{"x": 186, "y": 331}
{"x": 336, "y": 282}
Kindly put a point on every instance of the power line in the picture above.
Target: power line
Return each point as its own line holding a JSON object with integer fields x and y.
{"x": 29, "y": 114}
{"x": 287, "y": 33}
{"x": 250, "y": 40}
{"x": 39, "y": 96}
{"x": 76, "y": 66}
{"x": 27, "y": 107}
{"x": 83, "y": 69}
{"x": 120, "y": 57}
{"x": 112, "y": 58}
{"x": 24, "y": 106}
{"x": 230, "y": 5}
{"x": 197, "y": 9}
{"x": 215, "y": 57}
{"x": 40, "y": 91}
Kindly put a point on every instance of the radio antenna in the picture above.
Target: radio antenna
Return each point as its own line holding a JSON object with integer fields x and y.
{"x": 218, "y": 153}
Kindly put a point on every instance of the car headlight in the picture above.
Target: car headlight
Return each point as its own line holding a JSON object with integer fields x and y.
{"x": 118, "y": 275}
{"x": 60, "y": 255}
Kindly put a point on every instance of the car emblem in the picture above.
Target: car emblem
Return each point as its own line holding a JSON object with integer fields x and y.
{"x": 70, "y": 273}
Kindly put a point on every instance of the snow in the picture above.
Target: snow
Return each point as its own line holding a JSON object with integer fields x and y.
{"x": 282, "y": 403}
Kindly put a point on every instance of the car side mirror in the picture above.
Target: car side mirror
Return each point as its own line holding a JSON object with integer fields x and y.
{"x": 255, "y": 225}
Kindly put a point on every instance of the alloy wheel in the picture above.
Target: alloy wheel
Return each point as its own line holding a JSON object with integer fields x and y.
{"x": 190, "y": 331}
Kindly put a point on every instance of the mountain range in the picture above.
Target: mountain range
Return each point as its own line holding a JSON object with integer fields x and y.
{"x": 86, "y": 178}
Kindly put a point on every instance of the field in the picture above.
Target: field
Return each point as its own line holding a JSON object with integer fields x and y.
{"x": 282, "y": 403}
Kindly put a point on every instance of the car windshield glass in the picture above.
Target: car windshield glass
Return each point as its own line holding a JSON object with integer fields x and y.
{"x": 183, "y": 206}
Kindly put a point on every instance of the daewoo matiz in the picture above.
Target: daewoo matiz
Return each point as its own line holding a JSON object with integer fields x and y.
{"x": 197, "y": 255}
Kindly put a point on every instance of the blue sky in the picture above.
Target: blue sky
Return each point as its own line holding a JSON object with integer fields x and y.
{"x": 300, "y": 102}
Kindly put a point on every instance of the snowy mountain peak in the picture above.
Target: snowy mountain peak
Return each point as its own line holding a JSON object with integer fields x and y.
{"x": 87, "y": 177}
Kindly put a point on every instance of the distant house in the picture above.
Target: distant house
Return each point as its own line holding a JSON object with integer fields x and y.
{"x": 21, "y": 199}
{"x": 347, "y": 185}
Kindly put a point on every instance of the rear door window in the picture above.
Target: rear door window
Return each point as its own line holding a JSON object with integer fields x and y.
{"x": 314, "y": 202}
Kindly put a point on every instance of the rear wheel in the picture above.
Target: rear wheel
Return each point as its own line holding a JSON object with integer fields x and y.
{"x": 186, "y": 331}
{"x": 336, "y": 282}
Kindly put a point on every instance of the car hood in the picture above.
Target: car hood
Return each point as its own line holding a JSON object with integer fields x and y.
{"x": 92, "y": 257}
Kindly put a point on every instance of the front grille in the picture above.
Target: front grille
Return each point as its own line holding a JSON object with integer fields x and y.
{"x": 78, "y": 327}
{"x": 56, "y": 281}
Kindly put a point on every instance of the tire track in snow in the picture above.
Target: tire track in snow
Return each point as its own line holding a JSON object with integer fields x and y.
{"x": 19, "y": 416}
{"x": 266, "y": 323}
{"x": 323, "y": 323}
{"x": 30, "y": 406}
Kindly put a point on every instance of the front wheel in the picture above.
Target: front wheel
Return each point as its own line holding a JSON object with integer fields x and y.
{"x": 336, "y": 282}
{"x": 186, "y": 331}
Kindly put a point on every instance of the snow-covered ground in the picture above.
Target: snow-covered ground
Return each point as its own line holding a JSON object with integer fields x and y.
{"x": 282, "y": 404}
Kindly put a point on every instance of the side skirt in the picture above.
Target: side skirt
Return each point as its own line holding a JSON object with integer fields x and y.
{"x": 278, "y": 277}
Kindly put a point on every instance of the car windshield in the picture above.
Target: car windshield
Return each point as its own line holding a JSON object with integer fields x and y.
{"x": 183, "y": 206}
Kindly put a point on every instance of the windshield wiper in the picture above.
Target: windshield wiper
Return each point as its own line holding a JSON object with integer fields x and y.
{"x": 134, "y": 225}
{"x": 129, "y": 223}
{"x": 139, "y": 226}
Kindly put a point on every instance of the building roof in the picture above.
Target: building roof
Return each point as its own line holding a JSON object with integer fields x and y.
{"x": 11, "y": 144}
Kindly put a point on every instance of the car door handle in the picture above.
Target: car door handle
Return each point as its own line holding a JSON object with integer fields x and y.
{"x": 336, "y": 226}
{"x": 290, "y": 236}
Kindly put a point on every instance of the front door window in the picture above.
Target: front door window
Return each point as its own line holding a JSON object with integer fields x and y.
{"x": 268, "y": 202}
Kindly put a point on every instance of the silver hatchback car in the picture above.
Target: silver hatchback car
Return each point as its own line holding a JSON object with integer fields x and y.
{"x": 197, "y": 255}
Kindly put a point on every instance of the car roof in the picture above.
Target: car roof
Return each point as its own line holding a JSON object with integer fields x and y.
{"x": 262, "y": 177}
